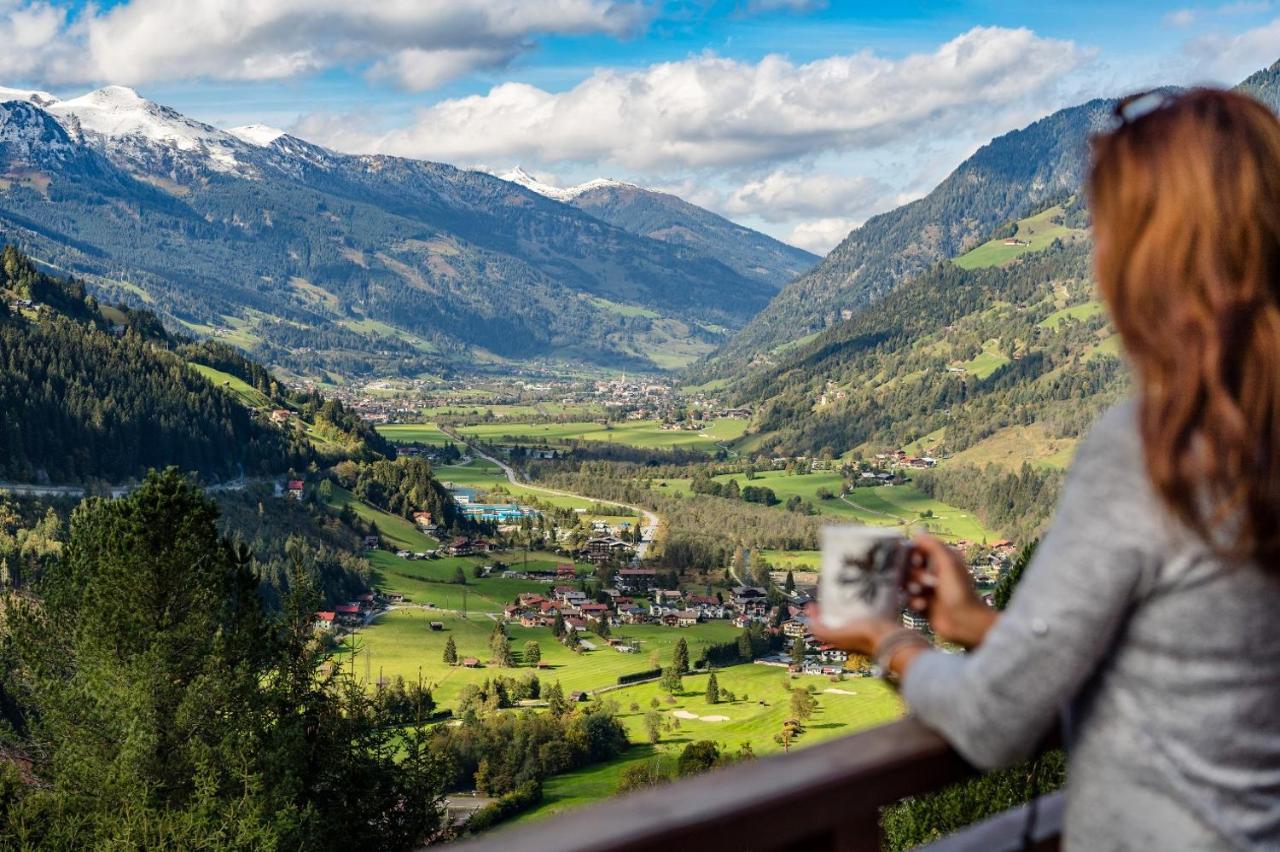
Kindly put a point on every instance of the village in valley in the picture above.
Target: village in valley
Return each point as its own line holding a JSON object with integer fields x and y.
{"x": 561, "y": 592}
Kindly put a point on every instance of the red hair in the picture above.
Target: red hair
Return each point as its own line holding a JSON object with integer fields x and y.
{"x": 1186, "y": 211}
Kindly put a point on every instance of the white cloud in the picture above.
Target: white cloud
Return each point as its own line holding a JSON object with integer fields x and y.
{"x": 1229, "y": 57}
{"x": 821, "y": 235}
{"x": 27, "y": 31}
{"x": 753, "y": 7}
{"x": 1180, "y": 18}
{"x": 782, "y": 196}
{"x": 415, "y": 43}
{"x": 710, "y": 111}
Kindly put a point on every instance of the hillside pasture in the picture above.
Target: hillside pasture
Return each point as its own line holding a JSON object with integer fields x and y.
{"x": 1035, "y": 233}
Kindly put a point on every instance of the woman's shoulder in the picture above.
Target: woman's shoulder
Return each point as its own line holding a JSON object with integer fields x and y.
{"x": 1113, "y": 441}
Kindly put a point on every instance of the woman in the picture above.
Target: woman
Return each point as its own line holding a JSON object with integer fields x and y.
{"x": 1149, "y": 619}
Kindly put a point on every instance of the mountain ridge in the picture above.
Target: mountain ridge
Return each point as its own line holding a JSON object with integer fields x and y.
{"x": 1009, "y": 177}
{"x": 281, "y": 240}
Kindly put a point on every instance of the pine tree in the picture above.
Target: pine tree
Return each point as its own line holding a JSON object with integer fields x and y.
{"x": 558, "y": 628}
{"x": 532, "y": 653}
{"x": 671, "y": 681}
{"x": 680, "y": 657}
{"x": 789, "y": 585}
{"x": 798, "y": 649}
{"x": 556, "y": 705}
{"x": 450, "y": 652}
{"x": 502, "y": 653}
{"x": 713, "y": 690}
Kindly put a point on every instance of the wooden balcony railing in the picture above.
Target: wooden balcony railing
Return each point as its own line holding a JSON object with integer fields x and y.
{"x": 827, "y": 797}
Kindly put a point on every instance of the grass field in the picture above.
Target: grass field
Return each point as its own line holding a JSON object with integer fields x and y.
{"x": 754, "y": 720}
{"x": 896, "y": 505}
{"x": 987, "y": 361}
{"x": 1038, "y": 233}
{"x": 242, "y": 390}
{"x": 645, "y": 434}
{"x": 1013, "y": 445}
{"x": 1082, "y": 311}
{"x": 801, "y": 560}
{"x": 402, "y": 643}
{"x": 487, "y": 477}
{"x": 401, "y": 532}
{"x": 408, "y": 433}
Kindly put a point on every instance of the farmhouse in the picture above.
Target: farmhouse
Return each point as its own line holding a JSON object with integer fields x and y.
{"x": 605, "y": 548}
{"x": 636, "y": 579}
{"x": 324, "y": 620}
{"x": 295, "y": 488}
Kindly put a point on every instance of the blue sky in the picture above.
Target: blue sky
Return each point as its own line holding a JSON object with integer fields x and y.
{"x": 798, "y": 117}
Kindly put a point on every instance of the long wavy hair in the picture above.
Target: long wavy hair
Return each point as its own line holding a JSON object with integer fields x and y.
{"x": 1185, "y": 197}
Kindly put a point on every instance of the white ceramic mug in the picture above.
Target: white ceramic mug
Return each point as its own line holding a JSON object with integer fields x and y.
{"x": 863, "y": 573}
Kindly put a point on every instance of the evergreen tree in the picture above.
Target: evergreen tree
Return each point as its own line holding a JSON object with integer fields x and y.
{"x": 744, "y": 646}
{"x": 556, "y": 705}
{"x": 459, "y": 577}
{"x": 789, "y": 585}
{"x": 798, "y": 649}
{"x": 190, "y": 717}
{"x": 558, "y": 627}
{"x": 502, "y": 653}
{"x": 680, "y": 657}
{"x": 713, "y": 689}
{"x": 671, "y": 681}
{"x": 532, "y": 653}
{"x": 450, "y": 652}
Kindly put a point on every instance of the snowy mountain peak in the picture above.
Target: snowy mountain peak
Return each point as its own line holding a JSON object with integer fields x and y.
{"x": 523, "y": 178}
{"x": 112, "y": 97}
{"x": 125, "y": 119}
{"x": 257, "y": 134}
{"x": 36, "y": 97}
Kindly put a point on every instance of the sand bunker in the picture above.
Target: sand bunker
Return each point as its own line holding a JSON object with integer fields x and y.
{"x": 835, "y": 691}
{"x": 685, "y": 714}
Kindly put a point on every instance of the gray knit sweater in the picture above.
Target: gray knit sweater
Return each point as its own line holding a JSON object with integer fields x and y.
{"x": 1162, "y": 661}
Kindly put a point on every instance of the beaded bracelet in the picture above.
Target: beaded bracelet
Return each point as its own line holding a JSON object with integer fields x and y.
{"x": 901, "y": 638}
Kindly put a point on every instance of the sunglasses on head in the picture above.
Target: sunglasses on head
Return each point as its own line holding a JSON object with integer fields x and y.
{"x": 1134, "y": 107}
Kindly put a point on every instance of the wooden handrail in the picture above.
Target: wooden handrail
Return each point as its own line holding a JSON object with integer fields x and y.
{"x": 827, "y": 797}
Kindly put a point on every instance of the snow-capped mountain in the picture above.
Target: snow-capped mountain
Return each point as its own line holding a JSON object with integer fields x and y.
{"x": 297, "y": 246}
{"x": 261, "y": 135}
{"x": 30, "y": 138}
{"x": 566, "y": 194}
{"x": 139, "y": 132}
{"x": 36, "y": 97}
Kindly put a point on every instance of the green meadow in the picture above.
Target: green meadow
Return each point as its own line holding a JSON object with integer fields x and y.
{"x": 762, "y": 705}
{"x": 238, "y": 387}
{"x": 889, "y": 505}
{"x": 645, "y": 434}
{"x": 410, "y": 433}
{"x": 487, "y": 478}
{"x": 1036, "y": 233}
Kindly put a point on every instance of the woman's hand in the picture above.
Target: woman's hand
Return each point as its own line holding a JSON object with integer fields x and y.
{"x": 856, "y": 637}
{"x": 938, "y": 585}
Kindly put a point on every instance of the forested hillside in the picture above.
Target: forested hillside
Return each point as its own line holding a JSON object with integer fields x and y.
{"x": 91, "y": 393}
{"x": 673, "y": 220}
{"x": 1013, "y": 176}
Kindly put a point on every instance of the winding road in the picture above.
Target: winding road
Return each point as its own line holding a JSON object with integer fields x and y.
{"x": 647, "y": 529}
